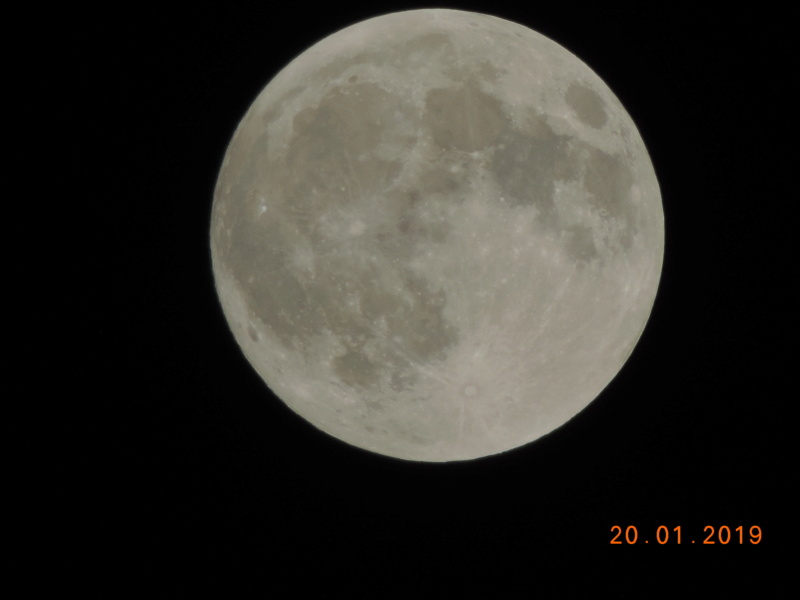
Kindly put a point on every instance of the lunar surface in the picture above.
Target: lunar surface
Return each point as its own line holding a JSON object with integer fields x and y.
{"x": 437, "y": 235}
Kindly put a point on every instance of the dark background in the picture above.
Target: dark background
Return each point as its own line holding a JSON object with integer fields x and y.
{"x": 193, "y": 477}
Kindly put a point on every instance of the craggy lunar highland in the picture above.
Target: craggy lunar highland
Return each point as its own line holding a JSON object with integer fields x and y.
{"x": 437, "y": 235}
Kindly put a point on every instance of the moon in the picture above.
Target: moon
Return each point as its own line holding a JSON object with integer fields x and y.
{"x": 437, "y": 235}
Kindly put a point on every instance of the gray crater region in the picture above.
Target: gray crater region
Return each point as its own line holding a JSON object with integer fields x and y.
{"x": 437, "y": 235}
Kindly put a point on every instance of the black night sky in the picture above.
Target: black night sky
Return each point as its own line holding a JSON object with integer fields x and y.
{"x": 196, "y": 481}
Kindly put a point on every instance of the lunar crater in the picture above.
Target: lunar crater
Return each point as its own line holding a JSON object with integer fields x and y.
{"x": 587, "y": 105}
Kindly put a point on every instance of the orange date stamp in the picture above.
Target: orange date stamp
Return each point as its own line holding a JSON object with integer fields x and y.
{"x": 722, "y": 535}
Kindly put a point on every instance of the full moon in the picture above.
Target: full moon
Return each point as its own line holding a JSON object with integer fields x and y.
{"x": 437, "y": 235}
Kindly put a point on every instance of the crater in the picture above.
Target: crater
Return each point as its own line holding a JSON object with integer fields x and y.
{"x": 426, "y": 48}
{"x": 355, "y": 369}
{"x": 335, "y": 145}
{"x": 425, "y": 222}
{"x": 527, "y": 163}
{"x": 608, "y": 179}
{"x": 587, "y": 105}
{"x": 580, "y": 244}
{"x": 463, "y": 118}
{"x": 387, "y": 318}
